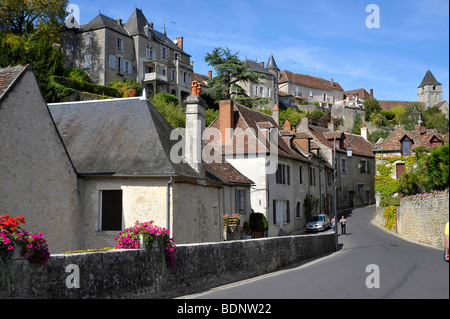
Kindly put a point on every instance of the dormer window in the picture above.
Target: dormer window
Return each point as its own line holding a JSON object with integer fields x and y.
{"x": 406, "y": 148}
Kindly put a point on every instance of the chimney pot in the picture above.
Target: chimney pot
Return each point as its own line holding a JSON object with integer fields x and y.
{"x": 210, "y": 74}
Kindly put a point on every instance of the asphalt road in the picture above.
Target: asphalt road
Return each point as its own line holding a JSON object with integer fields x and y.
{"x": 371, "y": 264}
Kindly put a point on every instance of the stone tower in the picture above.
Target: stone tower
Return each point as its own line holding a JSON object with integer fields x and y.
{"x": 429, "y": 91}
{"x": 273, "y": 68}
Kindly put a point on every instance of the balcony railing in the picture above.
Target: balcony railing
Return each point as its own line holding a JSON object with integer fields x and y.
{"x": 150, "y": 77}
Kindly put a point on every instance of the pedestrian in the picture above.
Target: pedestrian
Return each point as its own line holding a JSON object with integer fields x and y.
{"x": 343, "y": 223}
{"x": 333, "y": 224}
{"x": 446, "y": 243}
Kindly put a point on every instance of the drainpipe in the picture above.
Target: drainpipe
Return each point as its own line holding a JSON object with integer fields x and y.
{"x": 168, "y": 208}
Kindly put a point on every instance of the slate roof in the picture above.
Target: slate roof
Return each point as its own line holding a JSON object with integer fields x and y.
{"x": 429, "y": 79}
{"x": 102, "y": 21}
{"x": 117, "y": 137}
{"x": 9, "y": 76}
{"x": 309, "y": 81}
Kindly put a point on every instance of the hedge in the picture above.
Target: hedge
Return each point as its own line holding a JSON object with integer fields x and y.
{"x": 87, "y": 87}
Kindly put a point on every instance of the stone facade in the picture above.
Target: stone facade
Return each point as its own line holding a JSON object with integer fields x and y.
{"x": 37, "y": 177}
{"x": 139, "y": 273}
{"x": 108, "y": 49}
{"x": 423, "y": 219}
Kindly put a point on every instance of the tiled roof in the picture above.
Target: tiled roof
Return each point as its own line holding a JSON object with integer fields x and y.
{"x": 360, "y": 146}
{"x": 246, "y": 118}
{"x": 309, "y": 81}
{"x": 8, "y": 77}
{"x": 421, "y": 136}
{"x": 226, "y": 172}
{"x": 362, "y": 94}
{"x": 387, "y": 105}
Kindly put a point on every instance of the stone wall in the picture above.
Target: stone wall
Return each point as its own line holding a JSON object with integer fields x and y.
{"x": 423, "y": 219}
{"x": 142, "y": 273}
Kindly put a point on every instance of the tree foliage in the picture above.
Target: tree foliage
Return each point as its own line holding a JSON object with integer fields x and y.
{"x": 230, "y": 70}
{"x": 26, "y": 16}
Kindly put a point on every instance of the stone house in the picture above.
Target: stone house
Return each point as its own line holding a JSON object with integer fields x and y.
{"x": 81, "y": 172}
{"x": 109, "y": 49}
{"x": 401, "y": 143}
{"x": 296, "y": 89}
{"x": 268, "y": 85}
{"x": 123, "y": 151}
{"x": 355, "y": 176}
{"x": 255, "y": 144}
{"x": 37, "y": 177}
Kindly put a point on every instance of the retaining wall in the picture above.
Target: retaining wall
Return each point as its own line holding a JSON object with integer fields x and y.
{"x": 423, "y": 219}
{"x": 138, "y": 273}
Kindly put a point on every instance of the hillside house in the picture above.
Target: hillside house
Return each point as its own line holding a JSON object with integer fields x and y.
{"x": 109, "y": 49}
{"x": 296, "y": 89}
{"x": 401, "y": 143}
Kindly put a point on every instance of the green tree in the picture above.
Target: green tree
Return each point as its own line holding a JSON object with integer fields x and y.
{"x": 434, "y": 118}
{"x": 438, "y": 168}
{"x": 169, "y": 107}
{"x": 292, "y": 115}
{"x": 371, "y": 106}
{"x": 230, "y": 71}
{"x": 26, "y": 16}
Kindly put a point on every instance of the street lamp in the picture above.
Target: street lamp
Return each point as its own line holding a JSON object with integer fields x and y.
{"x": 349, "y": 151}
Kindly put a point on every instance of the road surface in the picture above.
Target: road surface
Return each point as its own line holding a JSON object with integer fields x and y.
{"x": 371, "y": 264}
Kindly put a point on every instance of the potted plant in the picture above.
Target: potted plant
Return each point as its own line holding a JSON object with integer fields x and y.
{"x": 247, "y": 230}
{"x": 231, "y": 222}
{"x": 258, "y": 225}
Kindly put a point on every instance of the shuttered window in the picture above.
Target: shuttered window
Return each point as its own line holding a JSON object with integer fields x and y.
{"x": 111, "y": 214}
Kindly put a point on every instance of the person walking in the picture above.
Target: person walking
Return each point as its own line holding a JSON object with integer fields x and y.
{"x": 446, "y": 243}
{"x": 343, "y": 223}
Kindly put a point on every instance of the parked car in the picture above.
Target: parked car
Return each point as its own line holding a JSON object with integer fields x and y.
{"x": 318, "y": 222}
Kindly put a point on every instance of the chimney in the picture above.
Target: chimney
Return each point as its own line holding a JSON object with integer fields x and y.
{"x": 195, "y": 126}
{"x": 371, "y": 93}
{"x": 261, "y": 64}
{"x": 180, "y": 42}
{"x": 331, "y": 126}
{"x": 365, "y": 132}
{"x": 304, "y": 125}
{"x": 151, "y": 25}
{"x": 210, "y": 74}
{"x": 331, "y": 81}
{"x": 119, "y": 21}
{"x": 226, "y": 120}
{"x": 276, "y": 114}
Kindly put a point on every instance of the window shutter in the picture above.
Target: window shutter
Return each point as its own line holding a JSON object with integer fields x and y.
{"x": 288, "y": 212}
{"x": 274, "y": 211}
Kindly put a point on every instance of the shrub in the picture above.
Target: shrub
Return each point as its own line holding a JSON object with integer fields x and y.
{"x": 77, "y": 74}
{"x": 390, "y": 217}
{"x": 258, "y": 222}
{"x": 126, "y": 88}
{"x": 85, "y": 86}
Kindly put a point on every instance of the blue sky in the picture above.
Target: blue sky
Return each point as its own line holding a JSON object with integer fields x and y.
{"x": 327, "y": 38}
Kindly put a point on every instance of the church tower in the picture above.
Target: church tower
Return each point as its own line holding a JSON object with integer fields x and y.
{"x": 429, "y": 91}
